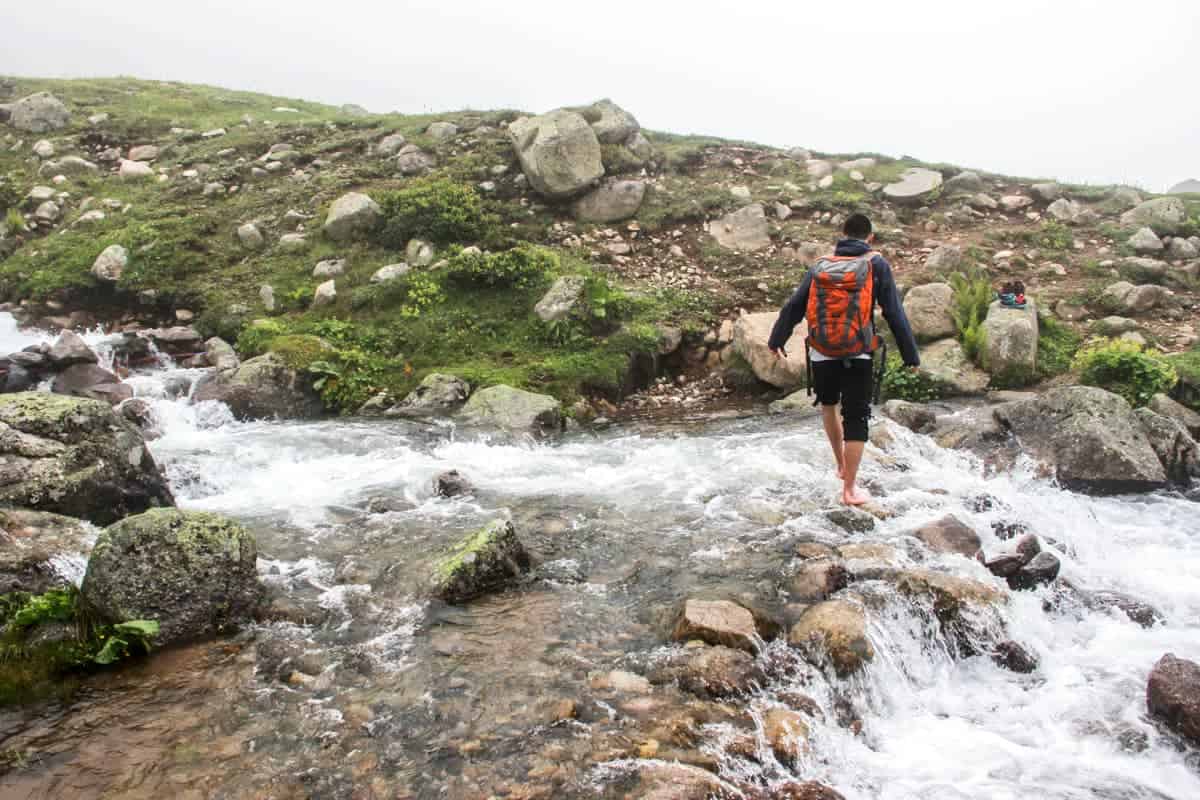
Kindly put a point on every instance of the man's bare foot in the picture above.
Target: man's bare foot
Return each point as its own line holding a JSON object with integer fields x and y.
{"x": 855, "y": 497}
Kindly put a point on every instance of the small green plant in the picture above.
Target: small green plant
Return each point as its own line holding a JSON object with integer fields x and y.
{"x": 901, "y": 383}
{"x": 972, "y": 297}
{"x": 14, "y": 221}
{"x": 299, "y": 298}
{"x": 437, "y": 209}
{"x": 1057, "y": 345}
{"x": 423, "y": 292}
{"x": 521, "y": 267}
{"x": 1127, "y": 369}
{"x": 125, "y": 639}
{"x": 254, "y": 339}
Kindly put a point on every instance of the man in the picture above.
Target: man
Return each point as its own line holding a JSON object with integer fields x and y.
{"x": 837, "y": 298}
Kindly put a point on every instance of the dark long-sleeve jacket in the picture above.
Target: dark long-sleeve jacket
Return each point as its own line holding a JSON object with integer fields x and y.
{"x": 886, "y": 297}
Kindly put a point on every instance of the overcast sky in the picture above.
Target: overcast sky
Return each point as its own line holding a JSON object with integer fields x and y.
{"x": 1081, "y": 90}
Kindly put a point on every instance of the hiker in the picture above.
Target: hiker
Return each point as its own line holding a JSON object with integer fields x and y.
{"x": 838, "y": 297}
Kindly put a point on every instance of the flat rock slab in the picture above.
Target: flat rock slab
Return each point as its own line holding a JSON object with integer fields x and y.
{"x": 744, "y": 229}
{"x": 915, "y": 184}
{"x": 717, "y": 622}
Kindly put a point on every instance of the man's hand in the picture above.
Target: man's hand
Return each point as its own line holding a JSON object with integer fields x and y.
{"x": 779, "y": 352}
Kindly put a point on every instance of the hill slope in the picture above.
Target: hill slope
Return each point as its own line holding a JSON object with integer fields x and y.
{"x": 223, "y": 160}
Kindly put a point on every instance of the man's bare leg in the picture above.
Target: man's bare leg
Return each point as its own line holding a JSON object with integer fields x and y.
{"x": 851, "y": 494}
{"x": 833, "y": 430}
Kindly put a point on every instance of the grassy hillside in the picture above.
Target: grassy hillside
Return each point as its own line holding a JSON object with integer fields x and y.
{"x": 465, "y": 317}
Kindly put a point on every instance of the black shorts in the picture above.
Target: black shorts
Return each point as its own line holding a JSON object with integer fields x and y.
{"x": 849, "y": 382}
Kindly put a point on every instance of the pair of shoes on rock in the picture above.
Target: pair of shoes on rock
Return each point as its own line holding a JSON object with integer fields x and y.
{"x": 1012, "y": 295}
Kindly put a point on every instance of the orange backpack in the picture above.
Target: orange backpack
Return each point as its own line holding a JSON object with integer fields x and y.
{"x": 841, "y": 306}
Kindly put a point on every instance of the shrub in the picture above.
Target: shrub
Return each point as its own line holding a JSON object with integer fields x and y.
{"x": 14, "y": 221}
{"x": 520, "y": 267}
{"x": 972, "y": 296}
{"x": 1127, "y": 369}
{"x": 1057, "y": 345}
{"x": 254, "y": 338}
{"x": 430, "y": 208}
{"x": 10, "y": 198}
{"x": 900, "y": 383}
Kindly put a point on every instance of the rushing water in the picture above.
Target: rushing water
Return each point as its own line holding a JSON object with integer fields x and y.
{"x": 368, "y": 691}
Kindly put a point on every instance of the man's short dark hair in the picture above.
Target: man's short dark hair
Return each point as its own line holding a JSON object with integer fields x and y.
{"x": 857, "y": 226}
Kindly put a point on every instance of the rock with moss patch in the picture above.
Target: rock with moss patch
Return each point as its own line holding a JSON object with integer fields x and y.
{"x": 513, "y": 410}
{"x": 41, "y": 551}
{"x": 437, "y": 395}
{"x": 38, "y": 113}
{"x": 558, "y": 151}
{"x": 76, "y": 457}
{"x": 265, "y": 387}
{"x": 485, "y": 561}
{"x": 193, "y": 572}
{"x": 561, "y": 298}
{"x": 110, "y": 264}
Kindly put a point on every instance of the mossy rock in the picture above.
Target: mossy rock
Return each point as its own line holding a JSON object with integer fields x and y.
{"x": 266, "y": 387}
{"x": 73, "y": 456}
{"x": 300, "y": 351}
{"x": 193, "y": 572}
{"x": 485, "y": 561}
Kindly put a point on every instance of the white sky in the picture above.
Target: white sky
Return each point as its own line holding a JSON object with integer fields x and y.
{"x": 1079, "y": 90}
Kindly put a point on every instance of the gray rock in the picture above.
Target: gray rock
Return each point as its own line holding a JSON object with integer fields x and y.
{"x": 1161, "y": 404}
{"x": 915, "y": 185}
{"x": 43, "y": 149}
{"x": 48, "y": 212}
{"x": 1015, "y": 202}
{"x": 1181, "y": 249}
{"x": 329, "y": 268}
{"x": 818, "y": 170}
{"x": 351, "y": 215}
{"x": 751, "y": 333}
{"x": 1010, "y": 347}
{"x": 834, "y": 633}
{"x": 1145, "y": 241}
{"x": 1071, "y": 212}
{"x": 1165, "y": 215}
{"x": 928, "y": 310}
{"x": 221, "y": 354}
{"x": 1124, "y": 297}
{"x": 797, "y": 404}
{"x": 264, "y": 387}
{"x": 441, "y": 131}
{"x": 193, "y": 572}
{"x": 1047, "y": 192}
{"x": 946, "y": 363}
{"x": 38, "y": 550}
{"x": 70, "y": 349}
{"x": 144, "y": 152}
{"x": 390, "y": 145}
{"x": 134, "y": 170}
{"x": 965, "y": 182}
{"x": 611, "y": 123}
{"x": 390, "y": 273}
{"x": 325, "y": 294}
{"x": 558, "y": 151}
{"x": 72, "y": 166}
{"x": 1090, "y": 438}
{"x": 111, "y": 263}
{"x": 437, "y": 395}
{"x": 75, "y": 457}
{"x": 412, "y": 160}
{"x": 92, "y": 382}
{"x": 744, "y": 229}
{"x": 293, "y": 242}
{"x": 949, "y": 535}
{"x": 1042, "y": 568}
{"x": 640, "y": 146}
{"x": 1173, "y": 696}
{"x": 1144, "y": 270}
{"x": 513, "y": 410}
{"x": 419, "y": 253}
{"x": 266, "y": 295}
{"x": 712, "y": 672}
{"x": 917, "y": 417}
{"x": 1171, "y": 440}
{"x": 611, "y": 201}
{"x": 983, "y": 201}
{"x": 250, "y": 236}
{"x": 451, "y": 484}
{"x": 946, "y": 258}
{"x": 561, "y": 299}
{"x": 38, "y": 113}
{"x": 717, "y": 622}
{"x": 483, "y": 562}
{"x": 1114, "y": 326}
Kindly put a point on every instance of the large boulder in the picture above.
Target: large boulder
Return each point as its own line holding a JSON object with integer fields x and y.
{"x": 561, "y": 298}
{"x": 40, "y": 551}
{"x": 1165, "y": 215}
{"x": 558, "y": 151}
{"x": 93, "y": 382}
{"x": 964, "y": 183}
{"x": 1070, "y": 211}
{"x": 1176, "y": 449}
{"x": 513, "y": 410}
{"x": 916, "y": 185}
{"x": 1161, "y": 404}
{"x": 928, "y": 308}
{"x": 751, "y": 333}
{"x": 744, "y": 229}
{"x": 111, "y": 263}
{"x": 1126, "y": 298}
{"x": 70, "y": 349}
{"x": 1010, "y": 343}
{"x": 946, "y": 363}
{"x": 437, "y": 395}
{"x": 1090, "y": 438}
{"x": 39, "y": 113}
{"x": 193, "y": 572}
{"x": 611, "y": 201}
{"x": 351, "y": 215}
{"x": 834, "y": 632}
{"x": 946, "y": 258}
{"x": 611, "y": 123}
{"x": 485, "y": 561}
{"x": 264, "y": 387}
{"x": 75, "y": 457}
{"x": 1145, "y": 240}
{"x": 1173, "y": 696}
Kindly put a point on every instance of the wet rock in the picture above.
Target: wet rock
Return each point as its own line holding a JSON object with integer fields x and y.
{"x": 1138, "y": 611}
{"x": 70, "y": 349}
{"x": 745, "y": 229}
{"x": 264, "y": 387}
{"x": 75, "y": 457}
{"x": 93, "y": 382}
{"x": 717, "y": 622}
{"x": 1004, "y": 564}
{"x": 177, "y": 341}
{"x": 351, "y": 215}
{"x": 40, "y": 551}
{"x": 834, "y": 632}
{"x": 917, "y": 417}
{"x": 141, "y": 414}
{"x": 1042, "y": 568}
{"x": 483, "y": 562}
{"x": 851, "y": 519}
{"x": 1173, "y": 696}
{"x": 809, "y": 790}
{"x": 949, "y": 535}
{"x": 19, "y": 379}
{"x": 950, "y": 594}
{"x": 787, "y": 733}
{"x": 751, "y": 333}
{"x": 1014, "y": 658}
{"x": 559, "y": 152}
{"x": 660, "y": 780}
{"x": 1174, "y": 445}
{"x": 437, "y": 395}
{"x": 1090, "y": 438}
{"x": 928, "y": 310}
{"x": 452, "y": 484}
{"x": 817, "y": 579}
{"x": 561, "y": 299}
{"x": 713, "y": 672}
{"x": 193, "y": 572}
{"x": 513, "y": 410}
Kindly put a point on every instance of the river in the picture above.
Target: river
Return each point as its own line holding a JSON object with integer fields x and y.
{"x": 368, "y": 691}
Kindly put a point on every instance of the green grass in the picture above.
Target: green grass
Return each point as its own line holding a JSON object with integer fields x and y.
{"x": 1057, "y": 345}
